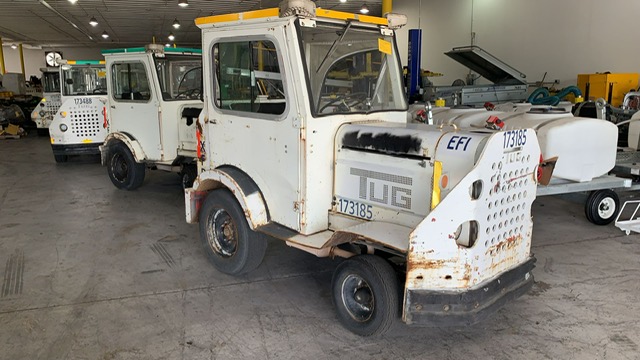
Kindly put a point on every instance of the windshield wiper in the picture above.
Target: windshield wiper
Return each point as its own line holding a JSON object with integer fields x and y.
{"x": 332, "y": 49}
{"x": 383, "y": 68}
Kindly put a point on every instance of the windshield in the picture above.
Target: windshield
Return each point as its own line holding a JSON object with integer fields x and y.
{"x": 352, "y": 70}
{"x": 180, "y": 77}
{"x": 84, "y": 80}
{"x": 51, "y": 82}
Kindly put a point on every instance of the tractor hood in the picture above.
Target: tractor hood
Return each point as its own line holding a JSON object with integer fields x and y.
{"x": 405, "y": 140}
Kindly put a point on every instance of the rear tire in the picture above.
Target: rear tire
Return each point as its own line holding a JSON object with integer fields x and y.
{"x": 124, "y": 172}
{"x": 365, "y": 294}
{"x": 232, "y": 247}
{"x": 602, "y": 206}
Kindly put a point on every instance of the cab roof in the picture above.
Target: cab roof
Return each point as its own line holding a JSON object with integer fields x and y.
{"x": 143, "y": 49}
{"x": 275, "y": 13}
{"x": 82, "y": 62}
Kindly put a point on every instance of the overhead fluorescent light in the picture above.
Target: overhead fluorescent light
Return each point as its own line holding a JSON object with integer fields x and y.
{"x": 45, "y": 4}
{"x": 176, "y": 24}
{"x": 171, "y": 37}
{"x": 183, "y": 3}
{"x": 364, "y": 9}
{"x": 105, "y": 35}
{"x": 93, "y": 21}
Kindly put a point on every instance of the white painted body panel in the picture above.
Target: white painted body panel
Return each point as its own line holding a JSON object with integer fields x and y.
{"x": 46, "y": 109}
{"x": 268, "y": 150}
{"x": 86, "y": 119}
{"x": 438, "y": 262}
{"x": 585, "y": 147}
{"x": 319, "y": 152}
{"x": 141, "y": 120}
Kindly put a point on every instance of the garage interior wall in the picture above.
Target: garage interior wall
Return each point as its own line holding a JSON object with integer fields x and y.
{"x": 34, "y": 58}
{"x": 561, "y": 37}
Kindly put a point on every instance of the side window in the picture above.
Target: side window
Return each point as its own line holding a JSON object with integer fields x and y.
{"x": 130, "y": 82}
{"x": 248, "y": 77}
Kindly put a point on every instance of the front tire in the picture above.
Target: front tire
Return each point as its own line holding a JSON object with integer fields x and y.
{"x": 232, "y": 247}
{"x": 61, "y": 158}
{"x": 365, "y": 294}
{"x": 124, "y": 172}
{"x": 602, "y": 206}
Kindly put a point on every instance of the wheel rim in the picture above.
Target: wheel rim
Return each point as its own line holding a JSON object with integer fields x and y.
{"x": 606, "y": 208}
{"x": 119, "y": 167}
{"x": 357, "y": 298}
{"x": 222, "y": 233}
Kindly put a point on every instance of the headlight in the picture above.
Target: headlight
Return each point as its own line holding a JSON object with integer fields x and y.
{"x": 41, "y": 113}
{"x": 63, "y": 127}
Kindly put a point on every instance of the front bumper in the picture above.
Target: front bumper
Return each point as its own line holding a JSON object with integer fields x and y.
{"x": 443, "y": 308}
{"x": 76, "y": 149}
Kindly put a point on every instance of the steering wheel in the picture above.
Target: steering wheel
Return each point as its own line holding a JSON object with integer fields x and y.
{"x": 348, "y": 101}
{"x": 189, "y": 94}
{"x": 100, "y": 91}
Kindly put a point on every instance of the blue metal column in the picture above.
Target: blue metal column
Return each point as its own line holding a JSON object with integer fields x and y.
{"x": 414, "y": 60}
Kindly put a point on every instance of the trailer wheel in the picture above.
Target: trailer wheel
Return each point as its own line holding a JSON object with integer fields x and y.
{"x": 124, "y": 172}
{"x": 61, "y": 158}
{"x": 365, "y": 294}
{"x": 602, "y": 206}
{"x": 232, "y": 247}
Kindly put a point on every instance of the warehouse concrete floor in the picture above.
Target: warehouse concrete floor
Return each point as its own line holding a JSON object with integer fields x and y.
{"x": 93, "y": 272}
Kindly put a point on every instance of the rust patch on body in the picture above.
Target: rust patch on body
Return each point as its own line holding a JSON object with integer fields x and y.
{"x": 466, "y": 276}
{"x": 425, "y": 264}
{"x": 505, "y": 244}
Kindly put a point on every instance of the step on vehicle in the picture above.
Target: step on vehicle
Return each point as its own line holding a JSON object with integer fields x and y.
{"x": 46, "y": 109}
{"x": 304, "y": 138}
{"x": 154, "y": 100}
{"x": 80, "y": 124}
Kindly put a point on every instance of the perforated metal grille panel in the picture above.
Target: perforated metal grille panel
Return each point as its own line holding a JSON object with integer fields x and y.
{"x": 508, "y": 204}
{"x": 51, "y": 107}
{"x": 85, "y": 123}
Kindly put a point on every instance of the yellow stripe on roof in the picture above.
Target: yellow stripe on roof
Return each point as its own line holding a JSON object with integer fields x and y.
{"x": 332, "y": 14}
{"x": 248, "y": 15}
{"x": 274, "y": 12}
{"x": 85, "y": 62}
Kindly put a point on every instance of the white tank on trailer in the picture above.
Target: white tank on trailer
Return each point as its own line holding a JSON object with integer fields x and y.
{"x": 585, "y": 147}
{"x": 633, "y": 137}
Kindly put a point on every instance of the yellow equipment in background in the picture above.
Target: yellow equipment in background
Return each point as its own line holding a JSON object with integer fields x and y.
{"x": 611, "y": 87}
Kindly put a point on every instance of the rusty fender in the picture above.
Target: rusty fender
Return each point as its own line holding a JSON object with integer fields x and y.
{"x": 133, "y": 145}
{"x": 248, "y": 195}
